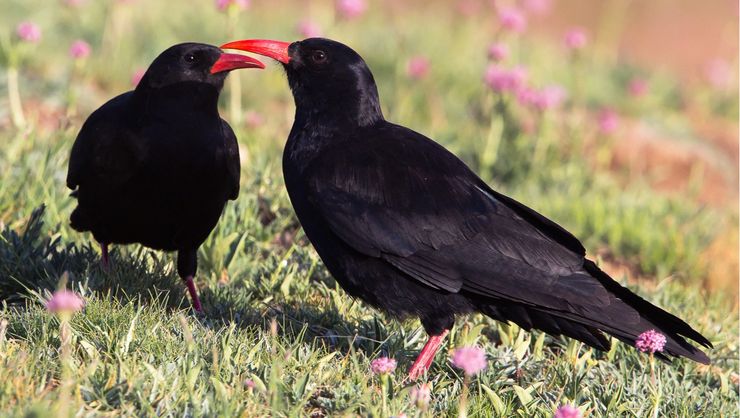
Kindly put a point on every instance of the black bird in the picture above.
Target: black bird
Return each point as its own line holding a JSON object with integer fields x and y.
{"x": 156, "y": 165}
{"x": 406, "y": 226}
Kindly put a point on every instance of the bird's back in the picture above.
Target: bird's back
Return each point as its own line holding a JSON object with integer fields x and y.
{"x": 152, "y": 177}
{"x": 388, "y": 204}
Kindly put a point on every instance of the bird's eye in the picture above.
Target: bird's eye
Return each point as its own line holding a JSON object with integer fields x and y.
{"x": 318, "y": 56}
{"x": 190, "y": 58}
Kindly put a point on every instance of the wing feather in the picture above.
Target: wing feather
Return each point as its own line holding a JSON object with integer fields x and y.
{"x": 403, "y": 198}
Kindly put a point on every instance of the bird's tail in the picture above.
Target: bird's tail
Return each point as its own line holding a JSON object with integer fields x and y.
{"x": 625, "y": 317}
{"x": 675, "y": 330}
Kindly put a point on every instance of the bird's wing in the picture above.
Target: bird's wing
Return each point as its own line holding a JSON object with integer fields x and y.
{"x": 233, "y": 165}
{"x": 403, "y": 198}
{"x": 106, "y": 150}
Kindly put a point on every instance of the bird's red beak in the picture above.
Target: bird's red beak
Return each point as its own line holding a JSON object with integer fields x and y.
{"x": 228, "y": 62}
{"x": 276, "y": 50}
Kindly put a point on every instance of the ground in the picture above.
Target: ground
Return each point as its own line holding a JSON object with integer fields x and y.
{"x": 654, "y": 201}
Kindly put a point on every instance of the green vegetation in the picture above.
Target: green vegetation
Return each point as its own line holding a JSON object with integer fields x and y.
{"x": 279, "y": 337}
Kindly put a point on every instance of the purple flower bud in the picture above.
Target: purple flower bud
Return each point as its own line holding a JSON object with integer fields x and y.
{"x": 383, "y": 365}
{"x": 137, "y": 76}
{"x": 308, "y": 29}
{"x": 223, "y": 5}
{"x": 650, "y": 341}
{"x": 79, "y": 49}
{"x": 608, "y": 121}
{"x": 575, "y": 38}
{"x": 350, "y": 9}
{"x": 498, "y": 52}
{"x": 512, "y": 19}
{"x": 638, "y": 87}
{"x": 567, "y": 411}
{"x": 472, "y": 360}
{"x": 503, "y": 80}
{"x": 719, "y": 73}
{"x": 421, "y": 395}
{"x": 417, "y": 68}
{"x": 65, "y": 301}
{"x": 28, "y": 32}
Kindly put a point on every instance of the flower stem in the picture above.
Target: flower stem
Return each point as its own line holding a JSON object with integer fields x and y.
{"x": 463, "y": 409}
{"x": 383, "y": 392}
{"x": 493, "y": 139}
{"x": 65, "y": 337}
{"x": 14, "y": 97}
{"x": 235, "y": 84}
{"x": 656, "y": 389}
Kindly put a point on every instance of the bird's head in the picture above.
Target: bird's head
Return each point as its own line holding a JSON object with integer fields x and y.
{"x": 194, "y": 63}
{"x": 325, "y": 75}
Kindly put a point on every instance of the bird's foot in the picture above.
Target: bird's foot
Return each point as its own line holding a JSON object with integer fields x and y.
{"x": 193, "y": 294}
{"x": 426, "y": 356}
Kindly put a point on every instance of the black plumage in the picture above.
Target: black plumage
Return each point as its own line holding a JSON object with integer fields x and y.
{"x": 156, "y": 165}
{"x": 406, "y": 226}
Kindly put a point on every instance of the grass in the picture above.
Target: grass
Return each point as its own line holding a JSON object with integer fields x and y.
{"x": 278, "y": 336}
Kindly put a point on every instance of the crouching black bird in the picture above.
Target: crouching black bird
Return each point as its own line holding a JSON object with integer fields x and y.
{"x": 406, "y": 226}
{"x": 156, "y": 165}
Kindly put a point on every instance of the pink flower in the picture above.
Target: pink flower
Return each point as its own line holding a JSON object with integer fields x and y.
{"x": 498, "y": 52}
{"x": 350, "y": 9}
{"x": 608, "y": 121}
{"x": 74, "y": 3}
{"x": 471, "y": 359}
{"x": 421, "y": 396}
{"x": 28, "y": 32}
{"x": 253, "y": 119}
{"x": 383, "y": 365}
{"x": 249, "y": 384}
{"x": 538, "y": 7}
{"x": 223, "y": 5}
{"x": 650, "y": 341}
{"x": 418, "y": 67}
{"x": 549, "y": 97}
{"x": 527, "y": 96}
{"x": 79, "y": 49}
{"x": 567, "y": 411}
{"x": 65, "y": 301}
{"x": 137, "y": 76}
{"x": 501, "y": 80}
{"x": 638, "y": 87}
{"x": 719, "y": 74}
{"x": 512, "y": 19}
{"x": 308, "y": 29}
{"x": 575, "y": 38}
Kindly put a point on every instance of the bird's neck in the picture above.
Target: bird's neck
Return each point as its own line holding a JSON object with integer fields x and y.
{"x": 195, "y": 98}
{"x": 340, "y": 105}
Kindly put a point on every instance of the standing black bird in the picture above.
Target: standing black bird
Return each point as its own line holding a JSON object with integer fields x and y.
{"x": 156, "y": 165}
{"x": 406, "y": 226}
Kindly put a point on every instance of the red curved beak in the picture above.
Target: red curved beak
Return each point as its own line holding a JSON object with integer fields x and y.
{"x": 228, "y": 62}
{"x": 276, "y": 50}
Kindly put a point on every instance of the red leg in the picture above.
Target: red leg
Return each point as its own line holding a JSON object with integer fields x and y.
{"x": 105, "y": 259}
{"x": 193, "y": 293}
{"x": 426, "y": 357}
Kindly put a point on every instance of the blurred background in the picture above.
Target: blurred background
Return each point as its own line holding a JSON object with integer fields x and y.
{"x": 618, "y": 118}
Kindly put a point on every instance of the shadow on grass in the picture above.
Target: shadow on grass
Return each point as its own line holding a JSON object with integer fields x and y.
{"x": 326, "y": 326}
{"x": 33, "y": 262}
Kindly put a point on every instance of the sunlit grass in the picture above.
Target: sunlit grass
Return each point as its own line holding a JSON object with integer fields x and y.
{"x": 279, "y": 337}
